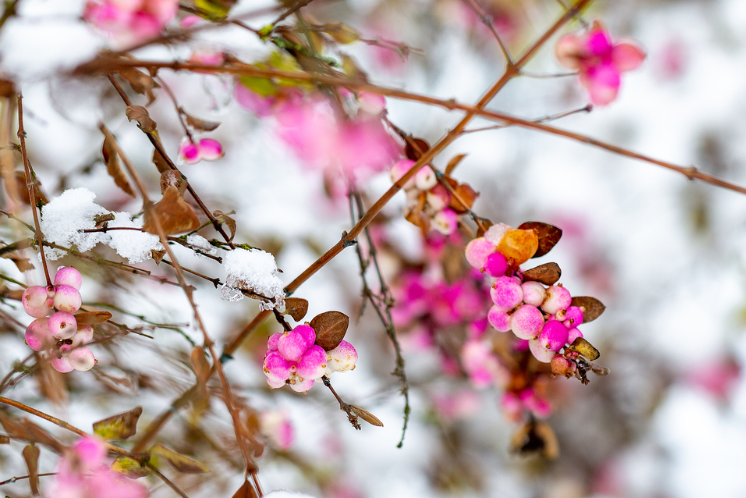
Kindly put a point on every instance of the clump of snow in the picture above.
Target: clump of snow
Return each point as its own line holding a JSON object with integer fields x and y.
{"x": 63, "y": 218}
{"x": 253, "y": 270}
{"x": 135, "y": 246}
{"x": 202, "y": 244}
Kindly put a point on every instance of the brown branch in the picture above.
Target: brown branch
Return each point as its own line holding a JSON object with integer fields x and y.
{"x": 478, "y": 10}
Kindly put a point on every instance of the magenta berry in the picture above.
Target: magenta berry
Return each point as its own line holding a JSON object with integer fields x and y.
{"x": 291, "y": 345}
{"x": 38, "y": 336}
{"x": 573, "y": 334}
{"x": 540, "y": 353}
{"x": 67, "y": 298}
{"x": 558, "y": 298}
{"x": 477, "y": 251}
{"x": 312, "y": 364}
{"x": 533, "y": 293}
{"x": 553, "y": 336}
{"x": 506, "y": 293}
{"x": 496, "y": 265}
{"x": 67, "y": 275}
{"x": 573, "y": 317}
{"x": 62, "y": 325}
{"x": 276, "y": 368}
{"x": 499, "y": 319}
{"x": 36, "y": 301}
{"x": 425, "y": 179}
{"x": 82, "y": 359}
{"x": 527, "y": 322}
{"x": 342, "y": 358}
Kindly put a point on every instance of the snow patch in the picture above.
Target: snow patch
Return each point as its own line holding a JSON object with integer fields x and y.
{"x": 253, "y": 270}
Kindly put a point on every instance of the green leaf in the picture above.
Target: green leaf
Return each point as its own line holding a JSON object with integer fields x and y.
{"x": 260, "y": 86}
{"x": 129, "y": 467}
{"x": 120, "y": 426}
{"x": 214, "y": 8}
{"x": 181, "y": 463}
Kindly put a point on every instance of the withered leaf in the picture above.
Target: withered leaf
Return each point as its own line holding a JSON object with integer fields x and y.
{"x": 173, "y": 178}
{"x": 140, "y": 114}
{"x": 602, "y": 371}
{"x": 548, "y": 234}
{"x": 120, "y": 426}
{"x": 174, "y": 214}
{"x": 92, "y": 317}
{"x": 535, "y": 437}
{"x": 111, "y": 159}
{"x": 23, "y": 264}
{"x": 296, "y": 307}
{"x": 200, "y": 364}
{"x": 31, "y": 456}
{"x": 585, "y": 348}
{"x": 28, "y": 431}
{"x": 467, "y": 194}
{"x": 592, "y": 307}
{"x": 200, "y": 124}
{"x": 330, "y": 328}
{"x": 157, "y": 256}
{"x": 139, "y": 81}
{"x": 420, "y": 144}
{"x": 245, "y": 491}
{"x": 160, "y": 162}
{"x": 455, "y": 160}
{"x": 547, "y": 274}
{"x": 4, "y": 439}
{"x": 181, "y": 463}
{"x": 366, "y": 415}
{"x": 224, "y": 218}
{"x": 129, "y": 467}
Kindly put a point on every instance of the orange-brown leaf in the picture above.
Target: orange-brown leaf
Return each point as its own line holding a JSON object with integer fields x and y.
{"x": 31, "y": 456}
{"x": 548, "y": 235}
{"x": 111, "y": 159}
{"x": 330, "y": 328}
{"x": 296, "y": 307}
{"x": 466, "y": 194}
{"x": 142, "y": 116}
{"x": 173, "y": 213}
{"x": 245, "y": 491}
{"x": 92, "y": 317}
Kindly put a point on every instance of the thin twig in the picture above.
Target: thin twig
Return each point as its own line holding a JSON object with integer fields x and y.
{"x": 478, "y": 10}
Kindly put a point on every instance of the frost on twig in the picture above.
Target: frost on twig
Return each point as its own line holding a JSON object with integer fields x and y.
{"x": 252, "y": 270}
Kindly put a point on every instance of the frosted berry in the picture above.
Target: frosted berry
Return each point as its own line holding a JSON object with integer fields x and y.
{"x": 400, "y": 169}
{"x": 342, "y": 358}
{"x": 425, "y": 179}
{"x": 533, "y": 293}
{"x": 540, "y": 353}
{"x": 38, "y": 336}
{"x": 62, "y": 325}
{"x": 573, "y": 317}
{"x": 558, "y": 298}
{"x": 496, "y": 265}
{"x": 477, "y": 251}
{"x": 67, "y": 275}
{"x": 499, "y": 319}
{"x": 506, "y": 293}
{"x": 495, "y": 233}
{"x": 519, "y": 245}
{"x": 527, "y": 322}
{"x": 67, "y": 298}
{"x": 36, "y": 301}
{"x": 553, "y": 336}
{"x": 82, "y": 359}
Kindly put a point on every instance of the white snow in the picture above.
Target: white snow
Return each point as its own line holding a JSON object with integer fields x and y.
{"x": 135, "y": 246}
{"x": 201, "y": 243}
{"x": 253, "y": 270}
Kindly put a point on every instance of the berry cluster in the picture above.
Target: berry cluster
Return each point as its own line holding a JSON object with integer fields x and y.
{"x": 541, "y": 315}
{"x": 294, "y": 358}
{"x": 60, "y": 330}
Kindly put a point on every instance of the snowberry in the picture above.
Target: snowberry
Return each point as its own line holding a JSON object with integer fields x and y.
{"x": 62, "y": 364}
{"x": 399, "y": 169}
{"x": 83, "y": 336}
{"x": 425, "y": 178}
{"x": 62, "y": 325}
{"x": 499, "y": 319}
{"x": 526, "y": 322}
{"x": 438, "y": 198}
{"x": 342, "y": 358}
{"x": 445, "y": 221}
{"x": 519, "y": 245}
{"x": 293, "y": 358}
{"x": 553, "y": 336}
{"x": 573, "y": 317}
{"x": 207, "y": 149}
{"x": 541, "y": 353}
{"x": 67, "y": 275}
{"x": 477, "y": 252}
{"x": 506, "y": 293}
{"x": 496, "y": 265}
{"x": 573, "y": 334}
{"x": 38, "y": 336}
{"x": 558, "y": 298}
{"x": 67, "y": 298}
{"x": 371, "y": 103}
{"x": 538, "y": 406}
{"x": 36, "y": 301}
{"x": 82, "y": 359}
{"x": 562, "y": 366}
{"x": 533, "y": 293}
{"x": 495, "y": 233}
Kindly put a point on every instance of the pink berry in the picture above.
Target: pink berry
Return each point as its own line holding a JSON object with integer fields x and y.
{"x": 573, "y": 334}
{"x": 477, "y": 251}
{"x": 291, "y": 345}
{"x": 62, "y": 364}
{"x": 438, "y": 198}
{"x": 307, "y": 333}
{"x": 38, "y": 336}
{"x": 494, "y": 234}
{"x": 499, "y": 319}
{"x": 553, "y": 336}
{"x": 210, "y": 149}
{"x": 272, "y": 341}
{"x": 302, "y": 385}
{"x": 82, "y": 359}
{"x": 562, "y": 366}
{"x": 67, "y": 275}
{"x": 83, "y": 336}
{"x": 313, "y": 363}
{"x": 496, "y": 265}
{"x": 425, "y": 179}
{"x": 526, "y": 322}
{"x": 276, "y": 368}
{"x": 400, "y": 169}
{"x": 62, "y": 325}
{"x": 533, "y": 293}
{"x": 445, "y": 221}
{"x": 36, "y": 301}
{"x": 506, "y": 293}
{"x": 573, "y": 317}
{"x": 342, "y": 358}
{"x": 558, "y": 298}
{"x": 67, "y": 298}
{"x": 540, "y": 353}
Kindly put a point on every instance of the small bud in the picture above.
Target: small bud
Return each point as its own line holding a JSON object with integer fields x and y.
{"x": 67, "y": 298}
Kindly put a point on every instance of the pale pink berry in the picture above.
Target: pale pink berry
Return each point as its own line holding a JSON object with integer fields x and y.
{"x": 399, "y": 169}
{"x": 477, "y": 251}
{"x": 272, "y": 342}
{"x": 210, "y": 149}
{"x": 83, "y": 336}
{"x": 558, "y": 298}
{"x": 312, "y": 364}
{"x": 494, "y": 234}
{"x": 481, "y": 363}
{"x": 541, "y": 353}
{"x": 291, "y": 345}
{"x": 36, "y": 301}
{"x": 445, "y": 221}
{"x": 38, "y": 336}
{"x": 496, "y": 265}
{"x": 276, "y": 426}
{"x": 438, "y": 198}
{"x": 553, "y": 336}
{"x": 302, "y": 385}
{"x": 62, "y": 364}
{"x": 342, "y": 358}
{"x": 573, "y": 334}
{"x": 526, "y": 322}
{"x": 506, "y": 293}
{"x": 82, "y": 359}
{"x": 573, "y": 317}
{"x": 425, "y": 179}
{"x": 562, "y": 366}
{"x": 533, "y": 293}
{"x": 67, "y": 275}
{"x": 371, "y": 103}
{"x": 67, "y": 298}
{"x": 499, "y": 319}
{"x": 62, "y": 325}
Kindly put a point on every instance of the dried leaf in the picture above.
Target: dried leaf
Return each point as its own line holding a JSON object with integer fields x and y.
{"x": 160, "y": 162}
{"x": 31, "y": 455}
{"x": 111, "y": 159}
{"x": 139, "y": 81}
{"x": 592, "y": 307}
{"x": 455, "y": 160}
{"x": 174, "y": 214}
{"x": 129, "y": 467}
{"x": 547, "y": 274}
{"x": 467, "y": 194}
{"x": 180, "y": 462}
{"x": 296, "y": 307}
{"x": 92, "y": 317}
{"x": 413, "y": 153}
{"x": 548, "y": 234}
{"x": 585, "y": 348}
{"x": 157, "y": 256}
{"x": 245, "y": 491}
{"x": 140, "y": 114}
{"x": 330, "y": 328}
{"x": 173, "y": 178}
{"x": 52, "y": 384}
{"x": 224, "y": 218}
{"x": 366, "y": 415}
{"x": 535, "y": 437}
{"x": 602, "y": 371}
{"x": 4, "y": 439}
{"x": 23, "y": 264}
{"x": 200, "y": 364}
{"x": 486, "y": 224}
{"x": 22, "y": 190}
{"x": 120, "y": 426}
{"x": 28, "y": 431}
{"x": 200, "y": 124}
